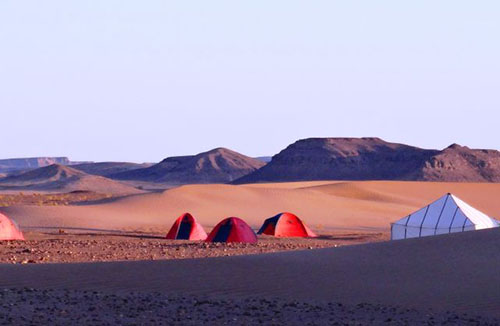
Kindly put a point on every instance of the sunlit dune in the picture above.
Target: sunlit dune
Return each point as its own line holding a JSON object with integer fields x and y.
{"x": 324, "y": 206}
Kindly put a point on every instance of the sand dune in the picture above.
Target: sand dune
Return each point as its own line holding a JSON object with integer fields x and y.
{"x": 457, "y": 272}
{"x": 323, "y": 205}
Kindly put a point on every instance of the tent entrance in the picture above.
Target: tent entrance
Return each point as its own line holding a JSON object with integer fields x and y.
{"x": 184, "y": 230}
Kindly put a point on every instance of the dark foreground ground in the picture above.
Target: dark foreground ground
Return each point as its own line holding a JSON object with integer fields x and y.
{"x": 65, "y": 307}
{"x": 292, "y": 287}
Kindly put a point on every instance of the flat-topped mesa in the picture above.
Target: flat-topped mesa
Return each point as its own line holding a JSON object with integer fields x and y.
{"x": 219, "y": 165}
{"x": 340, "y": 159}
{"x": 375, "y": 159}
{"x": 17, "y": 164}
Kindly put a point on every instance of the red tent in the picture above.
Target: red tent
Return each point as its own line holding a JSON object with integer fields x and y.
{"x": 186, "y": 228}
{"x": 285, "y": 225}
{"x": 232, "y": 229}
{"x": 9, "y": 230}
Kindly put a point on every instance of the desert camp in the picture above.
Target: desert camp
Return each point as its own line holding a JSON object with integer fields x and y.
{"x": 298, "y": 163}
{"x": 128, "y": 233}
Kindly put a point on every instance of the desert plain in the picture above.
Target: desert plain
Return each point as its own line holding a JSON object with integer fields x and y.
{"x": 106, "y": 261}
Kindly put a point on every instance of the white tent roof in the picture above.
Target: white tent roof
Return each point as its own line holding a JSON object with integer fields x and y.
{"x": 446, "y": 215}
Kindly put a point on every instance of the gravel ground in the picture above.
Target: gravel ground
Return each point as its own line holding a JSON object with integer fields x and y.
{"x": 56, "y": 248}
{"x": 63, "y": 307}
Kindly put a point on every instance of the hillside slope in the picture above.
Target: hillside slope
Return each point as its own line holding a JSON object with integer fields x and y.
{"x": 460, "y": 163}
{"x": 219, "y": 165}
{"x": 61, "y": 178}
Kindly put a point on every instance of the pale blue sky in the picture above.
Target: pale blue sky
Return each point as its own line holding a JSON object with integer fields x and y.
{"x": 142, "y": 80}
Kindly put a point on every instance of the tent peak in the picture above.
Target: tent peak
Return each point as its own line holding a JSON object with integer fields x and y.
{"x": 443, "y": 215}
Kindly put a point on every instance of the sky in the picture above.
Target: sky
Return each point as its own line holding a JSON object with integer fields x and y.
{"x": 119, "y": 80}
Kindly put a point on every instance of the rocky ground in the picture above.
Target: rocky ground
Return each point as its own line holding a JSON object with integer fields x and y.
{"x": 56, "y": 248}
{"x": 64, "y": 307}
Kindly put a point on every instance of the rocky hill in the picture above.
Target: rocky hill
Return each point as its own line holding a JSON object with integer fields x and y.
{"x": 61, "y": 178}
{"x": 219, "y": 165}
{"x": 375, "y": 159}
{"x": 460, "y": 163}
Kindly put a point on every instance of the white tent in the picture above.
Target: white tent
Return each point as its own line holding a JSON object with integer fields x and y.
{"x": 446, "y": 215}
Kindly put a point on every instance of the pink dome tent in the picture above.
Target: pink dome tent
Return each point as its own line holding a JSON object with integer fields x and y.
{"x": 9, "y": 230}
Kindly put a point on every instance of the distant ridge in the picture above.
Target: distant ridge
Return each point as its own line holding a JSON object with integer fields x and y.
{"x": 376, "y": 159}
{"x": 219, "y": 165}
{"x": 17, "y": 164}
{"x": 61, "y": 178}
{"x": 106, "y": 169}
{"x": 309, "y": 159}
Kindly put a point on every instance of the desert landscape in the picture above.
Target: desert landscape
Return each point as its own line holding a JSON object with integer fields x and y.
{"x": 249, "y": 163}
{"x": 95, "y": 233}
{"x": 97, "y": 248}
